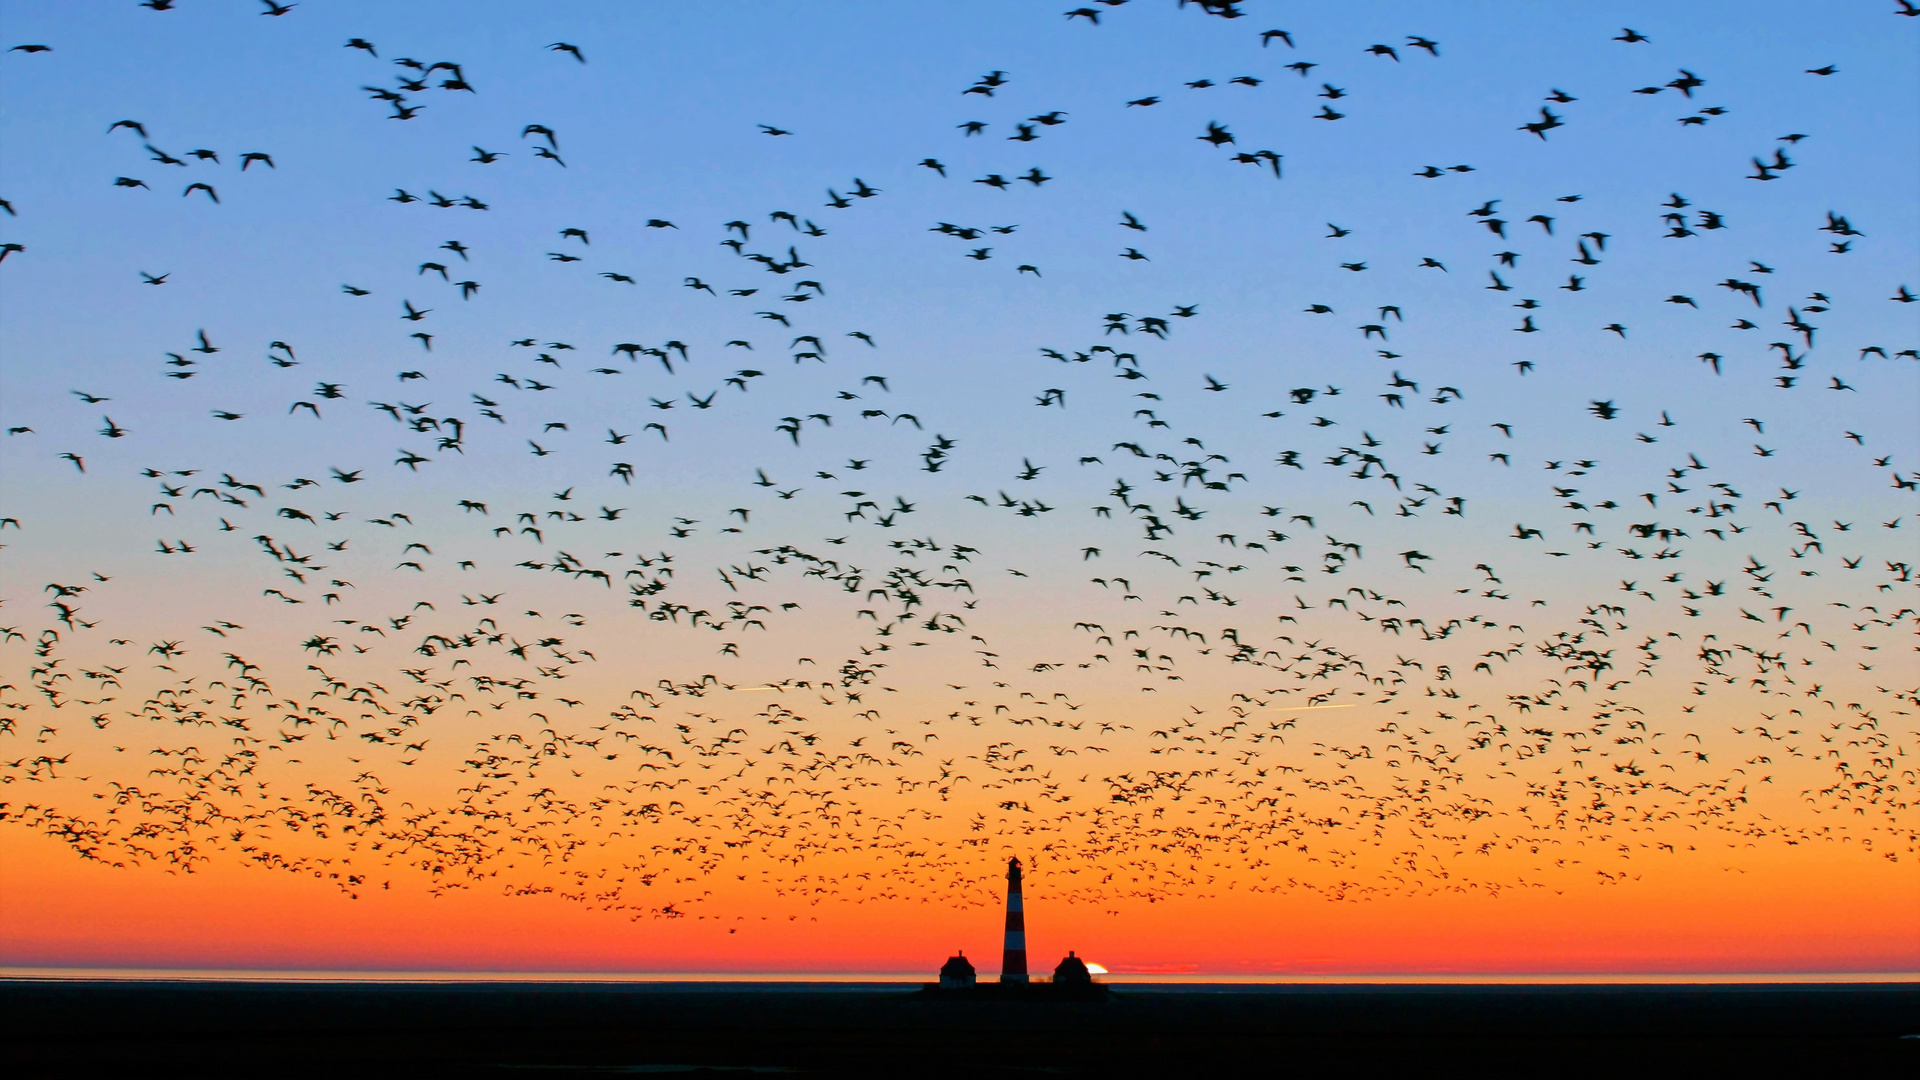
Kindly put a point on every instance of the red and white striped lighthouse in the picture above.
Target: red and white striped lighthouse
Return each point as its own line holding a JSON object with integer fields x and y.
{"x": 1013, "y": 958}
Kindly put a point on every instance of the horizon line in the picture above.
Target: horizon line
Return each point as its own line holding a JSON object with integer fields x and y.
{"x": 10, "y": 973}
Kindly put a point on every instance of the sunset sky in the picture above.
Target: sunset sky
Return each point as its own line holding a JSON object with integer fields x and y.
{"x": 1198, "y": 530}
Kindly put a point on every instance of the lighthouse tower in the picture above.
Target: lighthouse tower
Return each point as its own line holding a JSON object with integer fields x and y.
{"x": 1013, "y": 959}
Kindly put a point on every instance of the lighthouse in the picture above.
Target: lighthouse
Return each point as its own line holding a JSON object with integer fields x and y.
{"x": 1013, "y": 957}
{"x": 1072, "y": 980}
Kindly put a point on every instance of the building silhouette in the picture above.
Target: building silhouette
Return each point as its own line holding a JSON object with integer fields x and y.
{"x": 1071, "y": 972}
{"x": 956, "y": 973}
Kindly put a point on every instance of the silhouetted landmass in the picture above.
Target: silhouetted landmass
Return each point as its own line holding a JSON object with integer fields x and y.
{"x": 535, "y": 1030}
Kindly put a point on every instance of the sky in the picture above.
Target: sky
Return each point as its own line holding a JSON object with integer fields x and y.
{"x": 717, "y": 544}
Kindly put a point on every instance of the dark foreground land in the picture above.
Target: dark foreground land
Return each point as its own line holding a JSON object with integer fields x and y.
{"x": 577, "y": 1030}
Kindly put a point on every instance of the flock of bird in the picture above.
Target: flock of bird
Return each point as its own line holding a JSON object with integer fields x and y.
{"x": 1327, "y": 664}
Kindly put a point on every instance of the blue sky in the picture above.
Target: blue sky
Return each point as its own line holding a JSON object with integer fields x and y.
{"x": 662, "y": 125}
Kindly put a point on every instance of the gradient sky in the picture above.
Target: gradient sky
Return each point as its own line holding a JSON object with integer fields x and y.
{"x": 1369, "y": 742}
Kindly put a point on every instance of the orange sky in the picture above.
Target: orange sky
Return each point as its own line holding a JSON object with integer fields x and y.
{"x": 1815, "y": 911}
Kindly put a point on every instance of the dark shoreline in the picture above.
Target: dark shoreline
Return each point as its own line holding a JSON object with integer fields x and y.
{"x": 65, "y": 1028}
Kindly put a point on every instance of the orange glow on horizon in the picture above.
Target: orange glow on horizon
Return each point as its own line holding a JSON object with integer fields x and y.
{"x": 1833, "y": 912}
